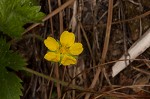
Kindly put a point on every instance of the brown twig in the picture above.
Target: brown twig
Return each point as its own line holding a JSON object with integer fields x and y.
{"x": 61, "y": 26}
{"x": 119, "y": 88}
{"x": 51, "y": 22}
{"x": 105, "y": 48}
{"x": 50, "y": 15}
{"x": 87, "y": 41}
{"x": 134, "y": 18}
{"x": 142, "y": 71}
{"x": 52, "y": 83}
{"x": 57, "y": 76}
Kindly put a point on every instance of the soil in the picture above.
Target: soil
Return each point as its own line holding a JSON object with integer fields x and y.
{"x": 129, "y": 22}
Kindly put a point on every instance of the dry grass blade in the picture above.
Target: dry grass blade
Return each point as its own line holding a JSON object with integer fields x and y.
{"x": 134, "y": 18}
{"x": 51, "y": 22}
{"x": 61, "y": 25}
{"x": 50, "y": 15}
{"x": 112, "y": 92}
{"x": 103, "y": 27}
{"x": 56, "y": 69}
{"x": 105, "y": 48}
{"x": 73, "y": 23}
{"x": 87, "y": 41}
{"x": 135, "y": 50}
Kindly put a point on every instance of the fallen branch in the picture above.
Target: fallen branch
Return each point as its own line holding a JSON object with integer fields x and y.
{"x": 134, "y": 51}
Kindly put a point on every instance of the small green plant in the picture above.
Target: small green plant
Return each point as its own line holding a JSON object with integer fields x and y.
{"x": 14, "y": 14}
{"x": 10, "y": 87}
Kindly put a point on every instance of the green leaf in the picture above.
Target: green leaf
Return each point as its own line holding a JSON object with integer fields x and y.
{"x": 9, "y": 58}
{"x": 10, "y": 86}
{"x": 14, "y": 14}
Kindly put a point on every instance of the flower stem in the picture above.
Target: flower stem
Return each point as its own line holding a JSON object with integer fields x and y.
{"x": 54, "y": 80}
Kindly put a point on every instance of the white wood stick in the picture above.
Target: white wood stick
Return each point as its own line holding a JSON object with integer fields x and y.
{"x": 134, "y": 51}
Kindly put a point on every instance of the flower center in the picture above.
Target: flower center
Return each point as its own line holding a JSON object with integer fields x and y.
{"x": 64, "y": 50}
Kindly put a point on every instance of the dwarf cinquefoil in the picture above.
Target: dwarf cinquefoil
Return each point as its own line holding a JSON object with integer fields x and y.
{"x": 64, "y": 51}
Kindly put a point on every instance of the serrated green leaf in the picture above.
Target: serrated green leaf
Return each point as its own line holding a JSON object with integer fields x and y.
{"x": 9, "y": 58}
{"x": 10, "y": 87}
{"x": 14, "y": 14}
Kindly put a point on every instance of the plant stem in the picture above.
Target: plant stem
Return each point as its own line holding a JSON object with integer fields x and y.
{"x": 54, "y": 80}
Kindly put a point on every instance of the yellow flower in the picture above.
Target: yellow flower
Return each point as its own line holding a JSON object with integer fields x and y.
{"x": 65, "y": 51}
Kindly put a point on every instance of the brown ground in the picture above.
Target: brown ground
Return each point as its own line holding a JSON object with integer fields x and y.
{"x": 130, "y": 19}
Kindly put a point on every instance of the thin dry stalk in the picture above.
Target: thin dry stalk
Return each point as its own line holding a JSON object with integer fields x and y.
{"x": 134, "y": 18}
{"x": 80, "y": 8}
{"x": 135, "y": 50}
{"x": 108, "y": 29}
{"x": 50, "y": 15}
{"x": 57, "y": 76}
{"x": 142, "y": 71}
{"x": 51, "y": 22}
{"x": 52, "y": 83}
{"x": 106, "y": 43}
{"x": 87, "y": 41}
{"x": 61, "y": 25}
{"x": 73, "y": 82}
{"x": 73, "y": 22}
{"x": 51, "y": 90}
{"x": 119, "y": 88}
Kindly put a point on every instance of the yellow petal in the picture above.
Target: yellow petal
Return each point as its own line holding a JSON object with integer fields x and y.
{"x": 51, "y": 44}
{"x": 68, "y": 60}
{"x": 67, "y": 38}
{"x": 76, "y": 49}
{"x": 52, "y": 56}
